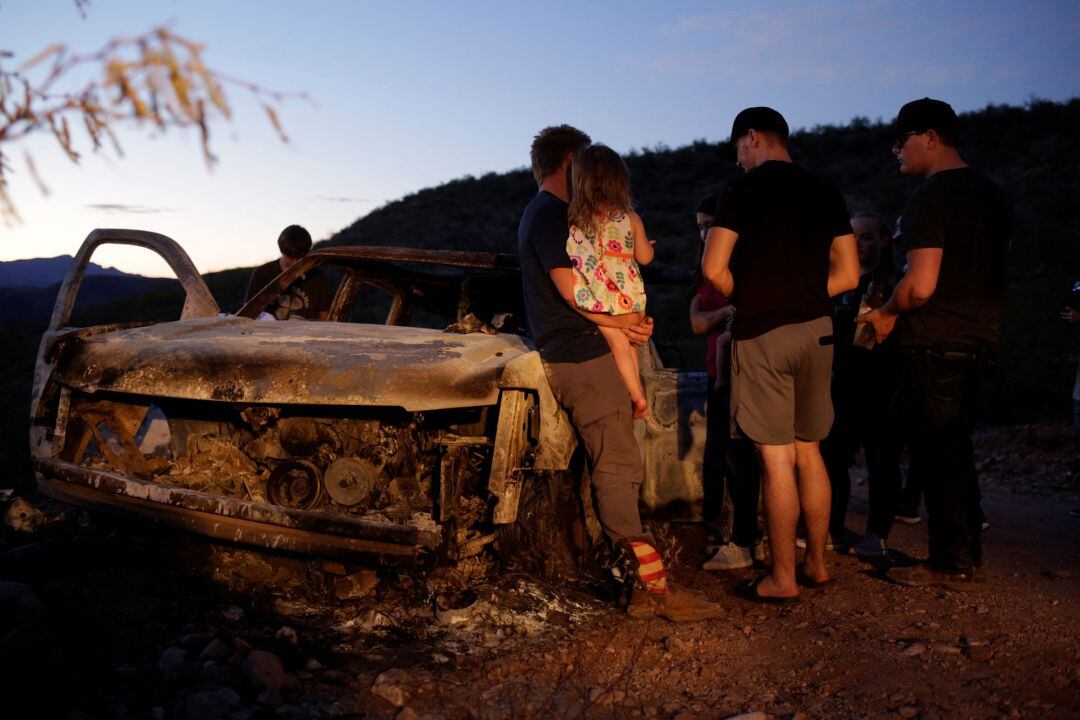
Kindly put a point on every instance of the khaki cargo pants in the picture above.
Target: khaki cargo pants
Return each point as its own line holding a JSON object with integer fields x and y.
{"x": 596, "y": 399}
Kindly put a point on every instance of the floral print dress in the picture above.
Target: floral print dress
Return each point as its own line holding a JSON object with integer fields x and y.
{"x": 607, "y": 278}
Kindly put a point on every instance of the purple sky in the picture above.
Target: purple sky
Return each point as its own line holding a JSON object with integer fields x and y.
{"x": 409, "y": 95}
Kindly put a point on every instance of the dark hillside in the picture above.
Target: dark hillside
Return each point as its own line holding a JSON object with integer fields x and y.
{"x": 32, "y": 306}
{"x": 1032, "y": 151}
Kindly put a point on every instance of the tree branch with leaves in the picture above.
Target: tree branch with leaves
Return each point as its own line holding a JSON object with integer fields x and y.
{"x": 156, "y": 80}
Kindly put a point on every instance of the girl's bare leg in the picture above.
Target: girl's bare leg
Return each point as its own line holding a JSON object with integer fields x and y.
{"x": 626, "y": 361}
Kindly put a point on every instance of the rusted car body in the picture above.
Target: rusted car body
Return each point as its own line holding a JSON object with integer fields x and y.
{"x": 336, "y": 439}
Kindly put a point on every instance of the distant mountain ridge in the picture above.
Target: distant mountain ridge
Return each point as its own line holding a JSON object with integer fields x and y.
{"x": 43, "y": 272}
{"x": 28, "y": 288}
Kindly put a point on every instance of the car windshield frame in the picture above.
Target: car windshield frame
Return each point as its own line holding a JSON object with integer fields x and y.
{"x": 408, "y": 274}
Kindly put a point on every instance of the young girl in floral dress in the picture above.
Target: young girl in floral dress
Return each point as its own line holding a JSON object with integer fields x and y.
{"x": 607, "y": 243}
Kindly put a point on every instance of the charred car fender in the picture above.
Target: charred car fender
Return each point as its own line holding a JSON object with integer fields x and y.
{"x": 556, "y": 439}
{"x": 533, "y": 433}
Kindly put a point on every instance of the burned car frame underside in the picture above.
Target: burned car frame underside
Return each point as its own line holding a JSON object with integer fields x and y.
{"x": 335, "y": 439}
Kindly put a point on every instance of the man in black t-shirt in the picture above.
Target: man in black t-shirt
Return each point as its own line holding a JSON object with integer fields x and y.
{"x": 308, "y": 296}
{"x": 779, "y": 248}
{"x": 585, "y": 381}
{"x": 947, "y": 314}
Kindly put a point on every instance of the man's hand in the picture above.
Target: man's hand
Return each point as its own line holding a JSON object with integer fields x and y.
{"x": 639, "y": 334}
{"x": 1070, "y": 315}
{"x": 882, "y": 320}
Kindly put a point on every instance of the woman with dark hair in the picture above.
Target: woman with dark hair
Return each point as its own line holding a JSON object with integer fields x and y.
{"x": 728, "y": 463}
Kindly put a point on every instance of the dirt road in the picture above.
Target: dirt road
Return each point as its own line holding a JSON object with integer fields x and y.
{"x": 138, "y": 624}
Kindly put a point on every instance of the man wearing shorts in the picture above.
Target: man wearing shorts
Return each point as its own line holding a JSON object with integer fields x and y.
{"x": 781, "y": 245}
{"x": 583, "y": 378}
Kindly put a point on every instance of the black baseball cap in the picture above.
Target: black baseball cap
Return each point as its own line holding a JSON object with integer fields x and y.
{"x": 762, "y": 119}
{"x": 927, "y": 114}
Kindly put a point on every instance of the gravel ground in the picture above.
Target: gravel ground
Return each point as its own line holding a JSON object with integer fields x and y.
{"x": 104, "y": 619}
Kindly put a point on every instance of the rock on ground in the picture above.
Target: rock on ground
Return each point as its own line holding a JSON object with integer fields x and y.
{"x": 391, "y": 687}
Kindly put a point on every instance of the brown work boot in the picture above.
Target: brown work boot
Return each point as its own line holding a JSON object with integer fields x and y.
{"x": 677, "y": 605}
{"x": 922, "y": 575}
{"x": 693, "y": 591}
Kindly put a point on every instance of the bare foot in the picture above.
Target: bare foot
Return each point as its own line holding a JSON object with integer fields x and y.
{"x": 768, "y": 587}
{"x": 814, "y": 573}
{"x": 641, "y": 408}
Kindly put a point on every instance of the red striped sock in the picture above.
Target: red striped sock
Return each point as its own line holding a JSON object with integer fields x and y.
{"x": 650, "y": 567}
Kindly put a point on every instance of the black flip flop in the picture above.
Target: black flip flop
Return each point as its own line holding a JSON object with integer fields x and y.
{"x": 803, "y": 579}
{"x": 747, "y": 590}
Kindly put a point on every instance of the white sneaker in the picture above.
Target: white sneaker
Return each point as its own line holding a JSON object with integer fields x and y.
{"x": 729, "y": 557}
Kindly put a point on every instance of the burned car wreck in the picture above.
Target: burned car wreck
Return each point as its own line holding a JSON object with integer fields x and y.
{"x": 346, "y": 440}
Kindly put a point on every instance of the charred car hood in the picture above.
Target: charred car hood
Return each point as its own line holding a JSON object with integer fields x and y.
{"x": 293, "y": 362}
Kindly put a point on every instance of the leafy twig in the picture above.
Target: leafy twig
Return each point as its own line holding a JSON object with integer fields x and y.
{"x": 157, "y": 79}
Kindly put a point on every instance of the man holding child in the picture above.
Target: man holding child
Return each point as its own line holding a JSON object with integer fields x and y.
{"x": 585, "y": 380}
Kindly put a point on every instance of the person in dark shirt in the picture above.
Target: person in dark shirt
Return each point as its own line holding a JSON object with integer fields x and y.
{"x": 1071, "y": 315}
{"x": 780, "y": 247}
{"x": 585, "y": 381}
{"x": 862, "y": 387}
{"x": 309, "y": 295}
{"x": 946, "y": 313}
{"x": 730, "y": 477}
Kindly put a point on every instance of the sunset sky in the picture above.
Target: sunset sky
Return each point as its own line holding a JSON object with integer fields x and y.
{"x": 410, "y": 95}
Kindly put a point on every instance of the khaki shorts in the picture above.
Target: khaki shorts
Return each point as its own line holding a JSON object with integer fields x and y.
{"x": 780, "y": 384}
